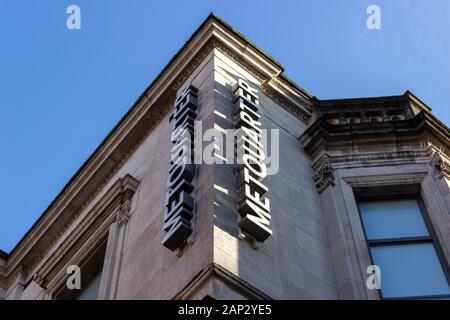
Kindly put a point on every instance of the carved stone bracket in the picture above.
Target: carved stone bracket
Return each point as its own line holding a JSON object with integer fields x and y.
{"x": 124, "y": 214}
{"x": 39, "y": 280}
{"x": 323, "y": 174}
{"x": 440, "y": 164}
{"x": 128, "y": 187}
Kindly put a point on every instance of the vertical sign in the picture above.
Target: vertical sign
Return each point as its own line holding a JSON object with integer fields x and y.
{"x": 180, "y": 202}
{"x": 253, "y": 205}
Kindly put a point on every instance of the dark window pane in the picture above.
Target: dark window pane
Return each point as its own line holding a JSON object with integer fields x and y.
{"x": 90, "y": 292}
{"x": 410, "y": 270}
{"x": 393, "y": 219}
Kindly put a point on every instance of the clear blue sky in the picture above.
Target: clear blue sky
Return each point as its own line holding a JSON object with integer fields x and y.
{"x": 62, "y": 91}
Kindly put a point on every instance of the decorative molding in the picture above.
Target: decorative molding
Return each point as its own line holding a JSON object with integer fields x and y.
{"x": 323, "y": 174}
{"x": 215, "y": 271}
{"x": 191, "y": 67}
{"x": 115, "y": 204}
{"x": 239, "y": 59}
{"x": 284, "y": 102}
{"x": 381, "y": 157}
{"x": 419, "y": 152}
{"x": 386, "y": 179}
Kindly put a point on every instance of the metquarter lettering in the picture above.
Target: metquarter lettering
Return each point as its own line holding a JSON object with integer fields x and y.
{"x": 253, "y": 205}
{"x": 180, "y": 202}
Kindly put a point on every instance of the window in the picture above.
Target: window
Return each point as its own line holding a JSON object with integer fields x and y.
{"x": 401, "y": 244}
{"x": 91, "y": 273}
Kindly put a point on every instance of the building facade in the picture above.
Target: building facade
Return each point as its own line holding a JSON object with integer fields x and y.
{"x": 359, "y": 192}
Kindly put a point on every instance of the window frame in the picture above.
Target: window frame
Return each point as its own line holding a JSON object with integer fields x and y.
{"x": 104, "y": 222}
{"x": 432, "y": 238}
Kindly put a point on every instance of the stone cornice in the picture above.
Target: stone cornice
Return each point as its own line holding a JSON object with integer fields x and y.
{"x": 386, "y": 143}
{"x": 360, "y": 105}
{"x": 151, "y": 107}
{"x": 322, "y": 136}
